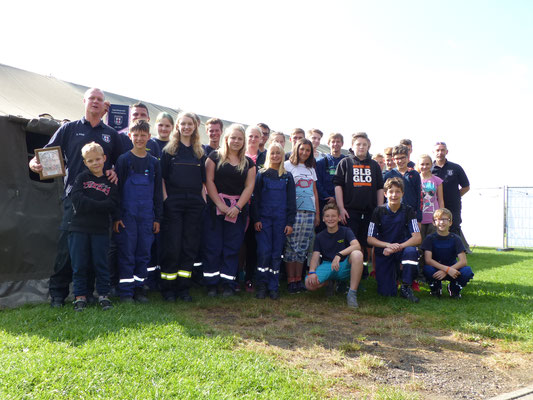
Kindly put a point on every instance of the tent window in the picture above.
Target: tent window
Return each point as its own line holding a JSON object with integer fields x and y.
{"x": 36, "y": 141}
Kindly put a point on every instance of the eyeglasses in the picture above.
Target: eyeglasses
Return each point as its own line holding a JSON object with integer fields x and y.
{"x": 442, "y": 219}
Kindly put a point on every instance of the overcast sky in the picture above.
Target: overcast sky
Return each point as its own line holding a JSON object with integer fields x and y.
{"x": 453, "y": 71}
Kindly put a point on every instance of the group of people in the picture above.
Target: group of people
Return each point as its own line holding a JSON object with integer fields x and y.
{"x": 141, "y": 212}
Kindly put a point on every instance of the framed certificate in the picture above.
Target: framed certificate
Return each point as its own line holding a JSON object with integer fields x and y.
{"x": 52, "y": 161}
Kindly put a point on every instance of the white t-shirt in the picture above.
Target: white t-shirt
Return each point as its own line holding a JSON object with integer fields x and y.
{"x": 304, "y": 179}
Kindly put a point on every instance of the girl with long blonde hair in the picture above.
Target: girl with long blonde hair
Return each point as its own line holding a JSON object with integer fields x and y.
{"x": 230, "y": 177}
{"x": 183, "y": 172}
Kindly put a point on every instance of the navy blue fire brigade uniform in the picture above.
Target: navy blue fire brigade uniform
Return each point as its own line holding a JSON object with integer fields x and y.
{"x": 71, "y": 137}
{"x": 394, "y": 227}
{"x": 274, "y": 205}
{"x": 223, "y": 239}
{"x": 412, "y": 184}
{"x": 184, "y": 177}
{"x": 141, "y": 205}
{"x": 444, "y": 250}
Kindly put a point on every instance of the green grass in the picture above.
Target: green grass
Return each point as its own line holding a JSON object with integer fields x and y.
{"x": 147, "y": 352}
{"x": 163, "y": 351}
{"x": 496, "y": 304}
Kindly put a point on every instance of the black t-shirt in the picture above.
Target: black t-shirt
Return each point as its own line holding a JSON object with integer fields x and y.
{"x": 453, "y": 176}
{"x": 184, "y": 173}
{"x": 228, "y": 179}
{"x": 360, "y": 180}
{"x": 329, "y": 244}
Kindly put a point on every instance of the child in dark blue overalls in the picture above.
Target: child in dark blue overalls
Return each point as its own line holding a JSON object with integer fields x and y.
{"x": 274, "y": 209}
{"x": 139, "y": 177}
{"x": 393, "y": 231}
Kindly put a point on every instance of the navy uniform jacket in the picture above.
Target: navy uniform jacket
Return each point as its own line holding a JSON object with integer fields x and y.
{"x": 412, "y": 184}
{"x": 72, "y": 136}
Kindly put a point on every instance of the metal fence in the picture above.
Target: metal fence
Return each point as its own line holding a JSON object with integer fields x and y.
{"x": 499, "y": 216}
{"x": 518, "y": 217}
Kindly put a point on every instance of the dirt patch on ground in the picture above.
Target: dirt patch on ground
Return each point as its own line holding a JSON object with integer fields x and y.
{"x": 362, "y": 354}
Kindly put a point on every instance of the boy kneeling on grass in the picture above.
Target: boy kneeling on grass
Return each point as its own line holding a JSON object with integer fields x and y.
{"x": 341, "y": 256}
{"x": 445, "y": 257}
{"x": 394, "y": 233}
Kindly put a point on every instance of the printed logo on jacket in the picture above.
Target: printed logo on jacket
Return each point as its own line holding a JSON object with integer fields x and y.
{"x": 362, "y": 175}
{"x": 101, "y": 187}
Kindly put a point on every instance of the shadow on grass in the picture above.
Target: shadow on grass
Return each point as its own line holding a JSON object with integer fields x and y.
{"x": 76, "y": 328}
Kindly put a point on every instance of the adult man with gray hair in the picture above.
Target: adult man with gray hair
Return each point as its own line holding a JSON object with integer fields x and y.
{"x": 71, "y": 137}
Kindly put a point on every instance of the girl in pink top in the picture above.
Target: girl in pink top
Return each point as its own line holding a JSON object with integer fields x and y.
{"x": 432, "y": 197}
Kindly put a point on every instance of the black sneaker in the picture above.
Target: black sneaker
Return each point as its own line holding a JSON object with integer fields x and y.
{"x": 331, "y": 287}
{"x": 80, "y": 305}
{"x": 105, "y": 303}
{"x": 407, "y": 293}
{"x": 228, "y": 292}
{"x": 454, "y": 290}
{"x": 435, "y": 289}
{"x": 261, "y": 292}
{"x": 292, "y": 287}
{"x": 300, "y": 287}
{"x": 273, "y": 294}
{"x": 57, "y": 302}
{"x": 212, "y": 291}
{"x": 139, "y": 295}
{"x": 185, "y": 296}
{"x": 126, "y": 299}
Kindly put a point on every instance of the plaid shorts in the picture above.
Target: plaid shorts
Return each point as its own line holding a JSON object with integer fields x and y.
{"x": 298, "y": 242}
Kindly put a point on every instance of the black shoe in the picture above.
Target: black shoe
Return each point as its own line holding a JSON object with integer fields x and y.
{"x": 126, "y": 299}
{"x": 407, "y": 293}
{"x": 454, "y": 290}
{"x": 105, "y": 303}
{"x": 292, "y": 288}
{"x": 139, "y": 295}
{"x": 331, "y": 287}
{"x": 273, "y": 294}
{"x": 261, "y": 292}
{"x": 228, "y": 292}
{"x": 300, "y": 287}
{"x": 212, "y": 291}
{"x": 435, "y": 289}
{"x": 57, "y": 302}
{"x": 185, "y": 296}
{"x": 80, "y": 305}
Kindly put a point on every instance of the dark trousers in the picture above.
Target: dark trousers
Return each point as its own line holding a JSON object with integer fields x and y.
{"x": 387, "y": 269}
{"x": 250, "y": 245}
{"x": 134, "y": 244}
{"x": 270, "y": 243}
{"x": 223, "y": 241}
{"x": 89, "y": 250}
{"x": 462, "y": 280}
{"x": 181, "y": 237}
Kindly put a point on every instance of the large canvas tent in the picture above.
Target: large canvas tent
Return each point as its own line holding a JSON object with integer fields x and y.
{"x": 30, "y": 209}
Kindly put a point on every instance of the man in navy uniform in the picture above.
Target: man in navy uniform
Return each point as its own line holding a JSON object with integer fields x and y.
{"x": 71, "y": 137}
{"x": 455, "y": 184}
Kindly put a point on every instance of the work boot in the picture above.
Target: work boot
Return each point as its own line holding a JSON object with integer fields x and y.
{"x": 407, "y": 293}
{"x": 139, "y": 295}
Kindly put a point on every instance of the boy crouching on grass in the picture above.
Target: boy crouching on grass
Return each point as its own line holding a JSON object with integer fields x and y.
{"x": 341, "y": 256}
{"x": 445, "y": 257}
{"x": 394, "y": 233}
{"x": 94, "y": 200}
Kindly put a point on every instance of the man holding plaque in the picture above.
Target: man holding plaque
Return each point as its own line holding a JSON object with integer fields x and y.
{"x": 71, "y": 137}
